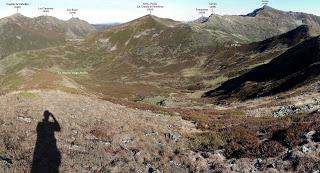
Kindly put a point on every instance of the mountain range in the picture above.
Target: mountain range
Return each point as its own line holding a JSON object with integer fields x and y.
{"x": 261, "y": 24}
{"x": 19, "y": 33}
{"x": 157, "y": 54}
{"x": 218, "y": 94}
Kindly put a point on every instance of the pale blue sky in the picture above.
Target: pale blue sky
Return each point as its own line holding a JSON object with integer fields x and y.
{"x": 104, "y": 11}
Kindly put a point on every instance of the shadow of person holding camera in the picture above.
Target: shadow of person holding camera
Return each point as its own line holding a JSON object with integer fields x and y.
{"x": 46, "y": 156}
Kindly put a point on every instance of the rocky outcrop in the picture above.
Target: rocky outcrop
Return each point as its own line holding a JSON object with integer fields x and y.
{"x": 294, "y": 109}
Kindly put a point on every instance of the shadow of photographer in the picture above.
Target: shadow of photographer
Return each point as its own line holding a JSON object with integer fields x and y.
{"x": 46, "y": 156}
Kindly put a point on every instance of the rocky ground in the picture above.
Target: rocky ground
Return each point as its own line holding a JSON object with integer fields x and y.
{"x": 99, "y": 136}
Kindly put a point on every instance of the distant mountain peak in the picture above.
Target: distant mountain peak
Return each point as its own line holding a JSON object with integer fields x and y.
{"x": 74, "y": 19}
{"x": 152, "y": 20}
{"x": 203, "y": 19}
{"x": 16, "y": 16}
{"x": 48, "y": 19}
{"x": 266, "y": 7}
{"x": 262, "y": 11}
{"x": 78, "y": 21}
{"x": 148, "y": 16}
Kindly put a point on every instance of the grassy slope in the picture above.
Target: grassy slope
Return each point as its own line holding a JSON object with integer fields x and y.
{"x": 16, "y": 38}
{"x": 158, "y": 55}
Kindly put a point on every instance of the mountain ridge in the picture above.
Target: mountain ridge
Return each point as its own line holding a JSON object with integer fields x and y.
{"x": 262, "y": 23}
{"x": 262, "y": 11}
{"x": 40, "y": 32}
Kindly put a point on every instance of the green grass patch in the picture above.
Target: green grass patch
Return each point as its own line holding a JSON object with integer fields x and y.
{"x": 11, "y": 81}
{"x": 26, "y": 94}
{"x": 207, "y": 142}
{"x": 236, "y": 113}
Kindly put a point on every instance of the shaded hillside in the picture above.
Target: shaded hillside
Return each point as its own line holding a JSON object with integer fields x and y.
{"x": 286, "y": 40}
{"x": 261, "y": 24}
{"x": 239, "y": 59}
{"x": 292, "y": 69}
{"x": 18, "y": 33}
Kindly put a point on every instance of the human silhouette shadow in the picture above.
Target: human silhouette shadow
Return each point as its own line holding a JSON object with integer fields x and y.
{"x": 46, "y": 156}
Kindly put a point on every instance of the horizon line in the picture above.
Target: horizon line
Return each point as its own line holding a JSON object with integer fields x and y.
{"x": 93, "y": 23}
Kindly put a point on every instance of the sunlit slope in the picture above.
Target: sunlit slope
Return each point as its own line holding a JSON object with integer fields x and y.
{"x": 149, "y": 50}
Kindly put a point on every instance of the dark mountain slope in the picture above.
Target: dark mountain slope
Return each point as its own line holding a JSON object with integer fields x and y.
{"x": 238, "y": 60}
{"x": 296, "y": 67}
{"x": 286, "y": 40}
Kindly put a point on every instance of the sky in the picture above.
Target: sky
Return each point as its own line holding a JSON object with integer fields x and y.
{"x": 110, "y": 11}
